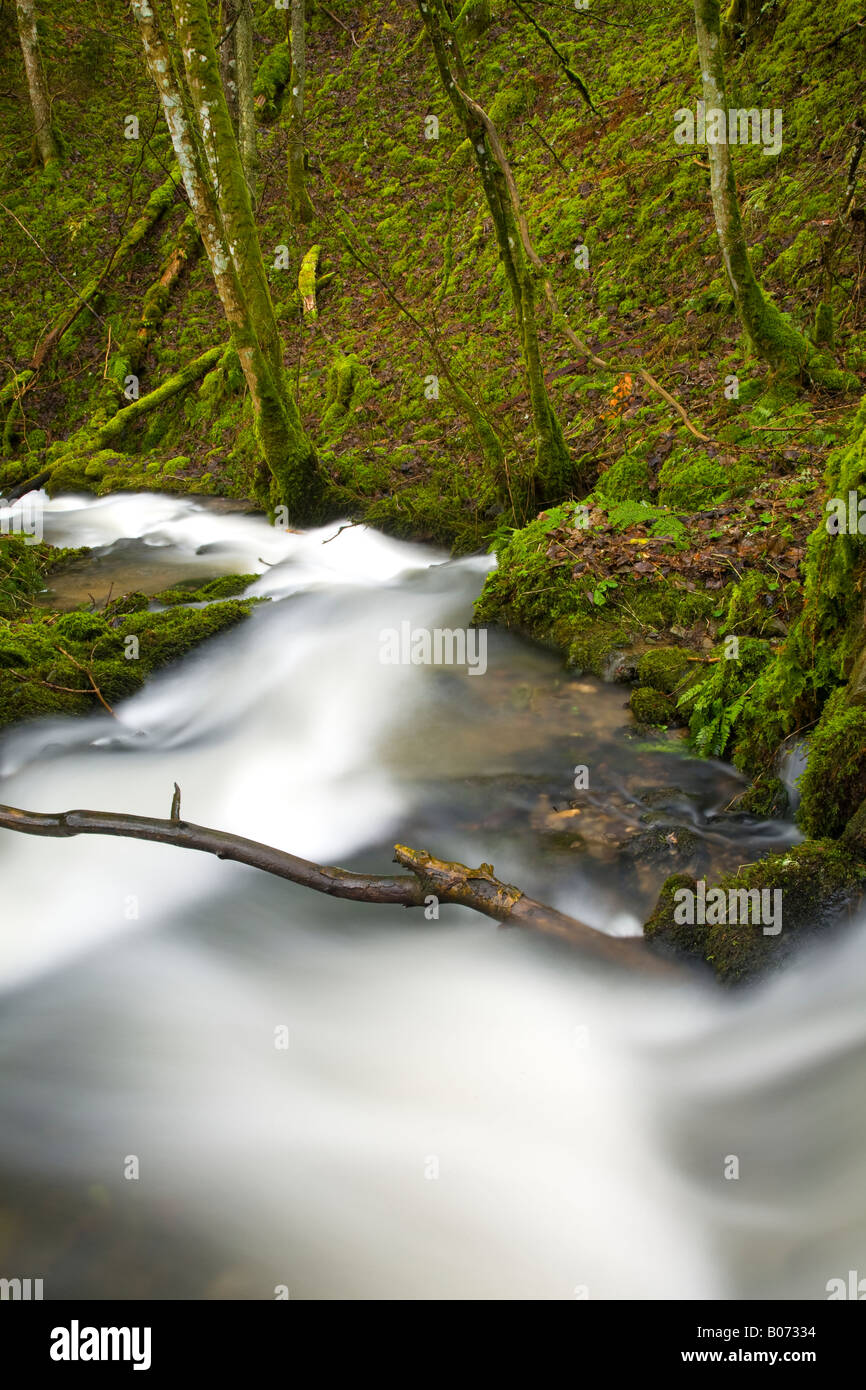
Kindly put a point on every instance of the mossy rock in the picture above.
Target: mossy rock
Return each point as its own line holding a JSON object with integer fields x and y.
{"x": 38, "y": 655}
{"x": 546, "y": 603}
{"x": 226, "y": 586}
{"x": 834, "y": 782}
{"x": 592, "y": 649}
{"x": 819, "y": 881}
{"x": 687, "y": 483}
{"x": 664, "y": 668}
{"x": 651, "y": 707}
{"x": 627, "y": 480}
{"x": 767, "y": 798}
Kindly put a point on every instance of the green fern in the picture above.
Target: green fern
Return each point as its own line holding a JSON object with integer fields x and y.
{"x": 661, "y": 523}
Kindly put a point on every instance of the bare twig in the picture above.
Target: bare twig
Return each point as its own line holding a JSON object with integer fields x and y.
{"x": 86, "y": 671}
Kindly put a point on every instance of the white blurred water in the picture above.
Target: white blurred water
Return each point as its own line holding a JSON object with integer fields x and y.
{"x": 460, "y": 1112}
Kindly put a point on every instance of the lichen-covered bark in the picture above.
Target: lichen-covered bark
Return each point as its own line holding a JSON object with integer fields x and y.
{"x": 228, "y": 57}
{"x": 46, "y": 142}
{"x": 204, "y": 142}
{"x": 227, "y": 177}
{"x": 773, "y": 336}
{"x": 307, "y": 282}
{"x": 299, "y": 201}
{"x": 553, "y": 462}
{"x": 246, "y": 106}
{"x": 237, "y": 76}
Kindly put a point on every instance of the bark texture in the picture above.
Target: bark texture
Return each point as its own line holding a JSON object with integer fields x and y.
{"x": 773, "y": 336}
{"x": 299, "y": 201}
{"x": 40, "y": 101}
{"x": 199, "y": 121}
{"x": 553, "y": 466}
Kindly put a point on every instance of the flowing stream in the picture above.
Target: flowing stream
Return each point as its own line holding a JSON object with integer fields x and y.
{"x": 460, "y": 1112}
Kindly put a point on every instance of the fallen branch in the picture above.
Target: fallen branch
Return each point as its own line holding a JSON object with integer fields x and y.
{"x": 429, "y": 878}
{"x": 128, "y": 359}
{"x": 158, "y": 204}
{"x": 307, "y": 282}
{"x": 112, "y": 429}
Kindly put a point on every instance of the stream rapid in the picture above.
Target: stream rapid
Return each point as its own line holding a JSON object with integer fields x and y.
{"x": 460, "y": 1111}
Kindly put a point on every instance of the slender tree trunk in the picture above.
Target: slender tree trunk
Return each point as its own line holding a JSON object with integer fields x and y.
{"x": 773, "y": 336}
{"x": 299, "y": 201}
{"x": 553, "y": 462}
{"x": 46, "y": 142}
{"x": 246, "y": 102}
{"x": 743, "y": 12}
{"x": 228, "y": 58}
{"x": 198, "y": 120}
{"x": 236, "y": 73}
{"x": 475, "y": 18}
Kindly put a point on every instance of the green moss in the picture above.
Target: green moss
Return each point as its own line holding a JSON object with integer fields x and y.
{"x": 349, "y": 385}
{"x": 824, "y": 331}
{"x": 834, "y": 782}
{"x": 79, "y": 627}
{"x": 21, "y": 574}
{"x": 752, "y": 604}
{"x": 854, "y": 834}
{"x": 271, "y": 82}
{"x": 825, "y": 645}
{"x": 447, "y": 509}
{"x": 46, "y": 662}
{"x": 544, "y": 601}
{"x": 818, "y": 880}
{"x": 307, "y": 281}
{"x": 626, "y": 480}
{"x": 766, "y": 798}
{"x": 664, "y": 668}
{"x": 592, "y": 646}
{"x": 508, "y": 103}
{"x": 652, "y": 707}
{"x": 689, "y": 483}
{"x": 226, "y": 586}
